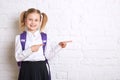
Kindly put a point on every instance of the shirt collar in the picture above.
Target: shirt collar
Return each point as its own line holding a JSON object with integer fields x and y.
{"x": 33, "y": 34}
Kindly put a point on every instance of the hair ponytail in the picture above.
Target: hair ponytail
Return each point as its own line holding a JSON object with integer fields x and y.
{"x": 44, "y": 20}
{"x": 22, "y": 21}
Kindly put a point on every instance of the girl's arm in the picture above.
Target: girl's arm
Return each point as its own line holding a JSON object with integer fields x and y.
{"x": 19, "y": 54}
{"x": 52, "y": 48}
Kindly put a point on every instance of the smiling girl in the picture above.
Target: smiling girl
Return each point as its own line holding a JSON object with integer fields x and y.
{"x": 32, "y": 58}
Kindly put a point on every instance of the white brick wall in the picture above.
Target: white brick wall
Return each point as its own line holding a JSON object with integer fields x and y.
{"x": 93, "y": 25}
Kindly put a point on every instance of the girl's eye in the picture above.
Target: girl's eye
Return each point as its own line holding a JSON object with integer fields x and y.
{"x": 36, "y": 20}
{"x": 30, "y": 19}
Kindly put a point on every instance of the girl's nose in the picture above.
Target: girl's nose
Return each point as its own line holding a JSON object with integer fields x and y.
{"x": 33, "y": 21}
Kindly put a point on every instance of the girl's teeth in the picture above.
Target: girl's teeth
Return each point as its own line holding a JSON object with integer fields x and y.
{"x": 32, "y": 26}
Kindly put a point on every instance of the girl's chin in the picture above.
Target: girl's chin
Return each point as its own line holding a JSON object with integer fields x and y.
{"x": 33, "y": 29}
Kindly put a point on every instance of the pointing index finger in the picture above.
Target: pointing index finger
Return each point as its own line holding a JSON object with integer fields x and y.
{"x": 68, "y": 41}
{"x": 40, "y": 44}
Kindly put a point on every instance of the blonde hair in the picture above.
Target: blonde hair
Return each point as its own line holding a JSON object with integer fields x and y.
{"x": 24, "y": 14}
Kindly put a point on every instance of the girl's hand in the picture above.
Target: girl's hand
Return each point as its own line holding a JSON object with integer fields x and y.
{"x": 63, "y": 44}
{"x": 35, "y": 48}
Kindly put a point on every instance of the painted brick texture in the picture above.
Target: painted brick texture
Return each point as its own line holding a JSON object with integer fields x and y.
{"x": 92, "y": 25}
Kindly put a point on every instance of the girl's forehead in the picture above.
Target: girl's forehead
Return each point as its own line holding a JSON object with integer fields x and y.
{"x": 33, "y": 14}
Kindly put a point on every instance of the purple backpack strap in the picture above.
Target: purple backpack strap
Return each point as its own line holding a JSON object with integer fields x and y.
{"x": 44, "y": 40}
{"x": 22, "y": 41}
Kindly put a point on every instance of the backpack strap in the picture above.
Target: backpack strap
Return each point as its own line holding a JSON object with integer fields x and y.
{"x": 23, "y": 39}
{"x": 44, "y": 40}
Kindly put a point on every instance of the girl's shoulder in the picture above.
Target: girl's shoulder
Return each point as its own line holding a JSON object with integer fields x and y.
{"x": 43, "y": 32}
{"x": 17, "y": 36}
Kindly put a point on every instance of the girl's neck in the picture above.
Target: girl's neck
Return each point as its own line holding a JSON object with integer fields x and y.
{"x": 32, "y": 31}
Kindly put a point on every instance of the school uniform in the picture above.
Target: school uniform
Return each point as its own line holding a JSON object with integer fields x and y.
{"x": 33, "y": 65}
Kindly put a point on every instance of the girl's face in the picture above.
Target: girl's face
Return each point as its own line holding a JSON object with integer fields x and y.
{"x": 32, "y": 22}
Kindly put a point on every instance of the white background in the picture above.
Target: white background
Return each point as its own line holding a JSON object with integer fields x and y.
{"x": 92, "y": 25}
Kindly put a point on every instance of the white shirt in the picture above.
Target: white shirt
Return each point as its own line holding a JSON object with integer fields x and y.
{"x": 34, "y": 39}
